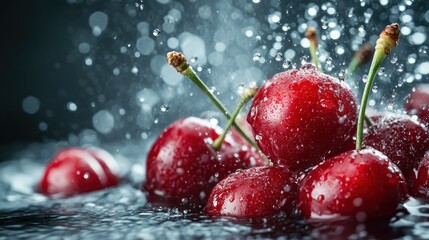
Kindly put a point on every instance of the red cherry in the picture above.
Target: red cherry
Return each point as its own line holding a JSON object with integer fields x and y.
{"x": 417, "y": 103}
{"x": 361, "y": 184}
{"x": 421, "y": 186}
{"x": 299, "y": 117}
{"x": 108, "y": 163}
{"x": 76, "y": 170}
{"x": 254, "y": 193}
{"x": 182, "y": 166}
{"x": 403, "y": 140}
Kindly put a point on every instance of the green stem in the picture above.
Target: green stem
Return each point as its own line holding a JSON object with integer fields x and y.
{"x": 379, "y": 56}
{"x": 192, "y": 75}
{"x": 244, "y": 99}
{"x": 311, "y": 35}
{"x": 361, "y": 57}
{"x": 368, "y": 121}
{"x": 314, "y": 57}
{"x": 387, "y": 40}
{"x": 354, "y": 64}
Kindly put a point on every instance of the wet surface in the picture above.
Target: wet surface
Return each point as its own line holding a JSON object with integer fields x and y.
{"x": 124, "y": 213}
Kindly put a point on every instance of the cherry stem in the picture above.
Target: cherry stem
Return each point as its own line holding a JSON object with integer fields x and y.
{"x": 179, "y": 62}
{"x": 362, "y": 56}
{"x": 368, "y": 121}
{"x": 386, "y": 42}
{"x": 248, "y": 94}
{"x": 311, "y": 34}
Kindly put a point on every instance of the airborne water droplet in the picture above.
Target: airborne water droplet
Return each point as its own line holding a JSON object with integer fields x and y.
{"x": 342, "y": 75}
{"x": 279, "y": 57}
{"x": 308, "y": 66}
{"x": 423, "y": 50}
{"x": 350, "y": 13}
{"x": 285, "y": 27}
{"x": 304, "y": 60}
{"x": 324, "y": 22}
{"x": 165, "y": 108}
{"x": 287, "y": 63}
{"x": 256, "y": 56}
{"x": 156, "y": 32}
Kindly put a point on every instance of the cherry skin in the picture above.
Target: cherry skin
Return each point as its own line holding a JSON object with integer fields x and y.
{"x": 300, "y": 117}
{"x": 183, "y": 167}
{"x": 403, "y": 140}
{"x": 108, "y": 163}
{"x": 77, "y": 170}
{"x": 420, "y": 188}
{"x": 254, "y": 193}
{"x": 359, "y": 184}
{"x": 417, "y": 103}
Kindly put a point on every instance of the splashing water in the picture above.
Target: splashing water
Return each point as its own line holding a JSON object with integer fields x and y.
{"x": 131, "y": 94}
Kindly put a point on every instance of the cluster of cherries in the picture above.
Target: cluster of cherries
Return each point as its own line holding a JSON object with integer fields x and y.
{"x": 303, "y": 121}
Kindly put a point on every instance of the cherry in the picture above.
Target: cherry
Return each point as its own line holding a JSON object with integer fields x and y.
{"x": 421, "y": 185}
{"x": 417, "y": 103}
{"x": 108, "y": 163}
{"x": 362, "y": 184}
{"x": 183, "y": 167}
{"x": 299, "y": 117}
{"x": 254, "y": 193}
{"x": 77, "y": 170}
{"x": 403, "y": 140}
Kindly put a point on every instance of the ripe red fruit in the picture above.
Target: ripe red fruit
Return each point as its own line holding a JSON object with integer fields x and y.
{"x": 421, "y": 185}
{"x": 403, "y": 140}
{"x": 417, "y": 103}
{"x": 254, "y": 193}
{"x": 183, "y": 167}
{"x": 361, "y": 184}
{"x": 108, "y": 163}
{"x": 76, "y": 170}
{"x": 299, "y": 117}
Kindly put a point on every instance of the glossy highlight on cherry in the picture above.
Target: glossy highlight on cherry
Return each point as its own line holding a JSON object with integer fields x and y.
{"x": 301, "y": 117}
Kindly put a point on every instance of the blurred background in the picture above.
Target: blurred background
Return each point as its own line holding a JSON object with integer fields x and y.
{"x": 94, "y": 73}
{"x": 73, "y": 69}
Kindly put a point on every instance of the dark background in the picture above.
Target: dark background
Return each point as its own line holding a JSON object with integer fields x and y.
{"x": 34, "y": 44}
